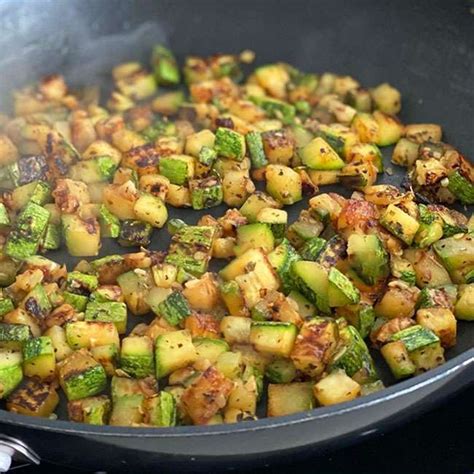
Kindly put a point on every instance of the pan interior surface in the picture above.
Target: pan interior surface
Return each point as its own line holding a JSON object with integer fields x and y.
{"x": 428, "y": 54}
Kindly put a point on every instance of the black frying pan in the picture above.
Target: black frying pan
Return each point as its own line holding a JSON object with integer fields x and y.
{"x": 425, "y": 48}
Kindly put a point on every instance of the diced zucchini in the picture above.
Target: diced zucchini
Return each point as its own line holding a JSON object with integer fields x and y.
{"x": 367, "y": 257}
{"x": 135, "y": 286}
{"x": 210, "y": 349}
{"x": 4, "y": 217}
{"x": 81, "y": 283}
{"x": 191, "y": 248}
{"x": 57, "y": 335}
{"x": 177, "y": 168}
{"x": 320, "y": 178}
{"x": 91, "y": 333}
{"x": 428, "y": 357}
{"x": 441, "y": 321}
{"x": 402, "y": 269}
{"x": 38, "y": 358}
{"x": 36, "y": 303}
{"x": 25, "y": 237}
{"x": 206, "y": 192}
{"x": 136, "y": 356}
{"x": 457, "y": 256}
{"x": 135, "y": 234}
{"x": 281, "y": 260}
{"x": 107, "y": 355}
{"x": 230, "y": 144}
{"x": 14, "y": 336}
{"x": 405, "y": 153}
{"x": 398, "y": 359}
{"x": 252, "y": 236}
{"x": 312, "y": 281}
{"x": 423, "y": 132}
{"x": 109, "y": 311}
{"x": 91, "y": 410}
{"x": 390, "y": 129}
{"x": 252, "y": 259}
{"x": 171, "y": 305}
{"x": 399, "y": 223}
{"x": 305, "y": 308}
{"x": 80, "y": 375}
{"x": 386, "y": 98}
{"x": 341, "y": 290}
{"x": 232, "y": 296}
{"x": 127, "y": 402}
{"x": 398, "y": 301}
{"x": 165, "y": 67}
{"x": 353, "y": 356}
{"x": 78, "y": 302}
{"x": 173, "y": 351}
{"x": 366, "y": 127}
{"x": 319, "y": 155}
{"x": 464, "y": 308}
{"x": 255, "y": 149}
{"x": 287, "y": 399}
{"x": 11, "y": 373}
{"x": 255, "y": 203}
{"x": 275, "y": 108}
{"x": 312, "y": 248}
{"x": 160, "y": 410}
{"x": 277, "y": 219}
{"x": 361, "y": 316}
{"x": 431, "y": 228}
{"x": 278, "y": 146}
{"x": 280, "y": 371}
{"x": 276, "y": 338}
{"x": 230, "y": 364}
{"x": 283, "y": 184}
{"x": 151, "y": 209}
{"x": 34, "y": 398}
{"x": 337, "y": 387}
{"x": 6, "y": 305}
{"x": 82, "y": 236}
{"x": 415, "y": 337}
{"x": 461, "y": 187}
{"x": 333, "y": 252}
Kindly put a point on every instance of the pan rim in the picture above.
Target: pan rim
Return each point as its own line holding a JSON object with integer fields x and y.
{"x": 457, "y": 364}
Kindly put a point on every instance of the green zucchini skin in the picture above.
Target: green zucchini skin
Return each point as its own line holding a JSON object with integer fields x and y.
{"x": 135, "y": 234}
{"x": 461, "y": 187}
{"x": 282, "y": 259}
{"x": 230, "y": 144}
{"x": 255, "y": 149}
{"x": 25, "y": 237}
{"x": 108, "y": 311}
{"x": 415, "y": 337}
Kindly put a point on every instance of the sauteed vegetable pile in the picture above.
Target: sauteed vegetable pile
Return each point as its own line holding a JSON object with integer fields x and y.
{"x": 154, "y": 338}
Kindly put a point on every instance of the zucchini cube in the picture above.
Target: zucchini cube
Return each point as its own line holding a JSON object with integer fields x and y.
{"x": 271, "y": 337}
{"x": 34, "y": 398}
{"x": 110, "y": 311}
{"x": 289, "y": 398}
{"x": 397, "y": 358}
{"x": 464, "y": 308}
{"x": 230, "y": 144}
{"x": 25, "y": 237}
{"x": 6, "y": 305}
{"x": 39, "y": 359}
{"x": 337, "y": 387}
{"x": 135, "y": 233}
{"x": 81, "y": 376}
{"x": 91, "y": 410}
{"x": 177, "y": 168}
{"x": 210, "y": 349}
{"x": 174, "y": 308}
{"x": 82, "y": 236}
{"x": 13, "y": 336}
{"x": 107, "y": 355}
{"x": 36, "y": 303}
{"x": 319, "y": 155}
{"x": 86, "y": 334}
{"x": 399, "y": 223}
{"x": 173, "y": 351}
{"x": 11, "y": 372}
{"x": 165, "y": 67}
{"x": 255, "y": 148}
{"x": 160, "y": 410}
{"x": 81, "y": 283}
{"x": 136, "y": 356}
{"x": 341, "y": 290}
{"x": 4, "y": 217}
{"x": 206, "y": 192}
{"x": 109, "y": 223}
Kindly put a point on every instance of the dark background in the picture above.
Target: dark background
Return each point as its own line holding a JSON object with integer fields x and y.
{"x": 440, "y": 441}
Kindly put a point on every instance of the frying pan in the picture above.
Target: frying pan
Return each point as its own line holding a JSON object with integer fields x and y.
{"x": 425, "y": 48}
